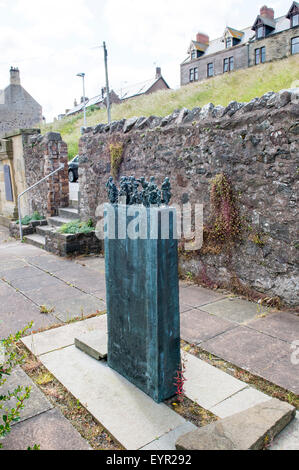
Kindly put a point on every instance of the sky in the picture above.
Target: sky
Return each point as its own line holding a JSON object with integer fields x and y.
{"x": 53, "y": 40}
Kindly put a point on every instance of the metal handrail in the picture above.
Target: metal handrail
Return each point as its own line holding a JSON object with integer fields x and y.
{"x": 28, "y": 189}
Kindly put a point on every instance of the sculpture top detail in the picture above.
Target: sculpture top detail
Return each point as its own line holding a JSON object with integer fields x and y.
{"x": 128, "y": 193}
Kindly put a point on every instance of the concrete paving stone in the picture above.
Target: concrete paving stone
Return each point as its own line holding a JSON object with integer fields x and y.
{"x": 237, "y": 310}
{"x": 184, "y": 307}
{"x": 83, "y": 278}
{"x": 131, "y": 416}
{"x": 22, "y": 250}
{"x": 24, "y": 271}
{"x": 93, "y": 343}
{"x": 247, "y": 348}
{"x": 50, "y": 263}
{"x": 243, "y": 431}
{"x": 12, "y": 264}
{"x": 66, "y": 310}
{"x": 5, "y": 290}
{"x": 167, "y": 442}
{"x": 50, "y": 430}
{"x": 241, "y": 401}
{"x": 196, "y": 296}
{"x": 96, "y": 263}
{"x": 37, "y": 402}
{"x": 283, "y": 325}
{"x": 100, "y": 294}
{"x": 198, "y": 326}
{"x": 207, "y": 385}
{"x": 283, "y": 373}
{"x": 20, "y": 315}
{"x": 42, "y": 279}
{"x": 288, "y": 439}
{"x": 50, "y": 295}
{"x": 63, "y": 336}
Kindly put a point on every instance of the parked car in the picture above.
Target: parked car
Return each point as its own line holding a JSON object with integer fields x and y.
{"x": 73, "y": 169}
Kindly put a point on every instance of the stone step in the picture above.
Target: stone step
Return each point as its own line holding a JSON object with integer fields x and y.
{"x": 36, "y": 240}
{"x": 252, "y": 429}
{"x": 44, "y": 229}
{"x": 58, "y": 221}
{"x": 93, "y": 343}
{"x": 69, "y": 213}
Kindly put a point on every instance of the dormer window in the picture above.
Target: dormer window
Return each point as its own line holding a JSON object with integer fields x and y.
{"x": 260, "y": 32}
{"x": 295, "y": 20}
{"x": 193, "y": 55}
{"x": 228, "y": 42}
{"x": 293, "y": 14}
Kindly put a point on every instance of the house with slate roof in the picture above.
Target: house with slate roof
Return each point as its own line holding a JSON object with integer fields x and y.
{"x": 268, "y": 39}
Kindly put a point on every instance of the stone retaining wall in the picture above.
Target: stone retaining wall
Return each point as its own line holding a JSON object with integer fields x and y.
{"x": 255, "y": 144}
{"x": 65, "y": 244}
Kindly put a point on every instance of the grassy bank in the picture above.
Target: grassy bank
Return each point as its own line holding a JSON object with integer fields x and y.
{"x": 242, "y": 86}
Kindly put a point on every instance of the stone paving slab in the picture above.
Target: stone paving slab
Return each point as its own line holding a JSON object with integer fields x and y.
{"x": 50, "y": 263}
{"x": 83, "y": 278}
{"x": 20, "y": 272}
{"x": 241, "y": 401}
{"x": 167, "y": 442}
{"x": 93, "y": 343}
{"x": 247, "y": 348}
{"x": 184, "y": 308}
{"x": 283, "y": 325}
{"x": 12, "y": 264}
{"x": 132, "y": 417}
{"x": 232, "y": 309}
{"x": 16, "y": 312}
{"x": 38, "y": 281}
{"x": 37, "y": 402}
{"x": 288, "y": 439}
{"x": 243, "y": 431}
{"x": 50, "y": 295}
{"x": 283, "y": 373}
{"x": 82, "y": 305}
{"x": 207, "y": 385}
{"x": 196, "y": 296}
{"x": 198, "y": 326}
{"x": 51, "y": 430}
{"x": 96, "y": 263}
{"x": 63, "y": 336}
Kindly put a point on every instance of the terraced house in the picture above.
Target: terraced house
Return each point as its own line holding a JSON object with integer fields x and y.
{"x": 268, "y": 39}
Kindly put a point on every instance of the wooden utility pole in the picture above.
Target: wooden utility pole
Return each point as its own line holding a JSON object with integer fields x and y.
{"x": 107, "y": 82}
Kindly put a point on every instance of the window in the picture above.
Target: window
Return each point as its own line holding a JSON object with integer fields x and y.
{"x": 193, "y": 74}
{"x": 228, "y": 43}
{"x": 225, "y": 65}
{"x": 228, "y": 64}
{"x": 193, "y": 55}
{"x": 295, "y": 20}
{"x": 210, "y": 70}
{"x": 260, "y": 32}
{"x": 260, "y": 55}
{"x": 295, "y": 45}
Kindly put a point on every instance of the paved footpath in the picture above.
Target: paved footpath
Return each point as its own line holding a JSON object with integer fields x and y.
{"x": 233, "y": 329}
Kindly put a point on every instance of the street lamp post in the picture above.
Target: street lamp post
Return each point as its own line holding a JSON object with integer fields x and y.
{"x": 84, "y": 106}
{"x": 107, "y": 82}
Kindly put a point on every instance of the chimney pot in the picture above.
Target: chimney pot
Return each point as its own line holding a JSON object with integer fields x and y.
{"x": 158, "y": 72}
{"x": 202, "y": 38}
{"x": 15, "y": 76}
{"x": 267, "y": 12}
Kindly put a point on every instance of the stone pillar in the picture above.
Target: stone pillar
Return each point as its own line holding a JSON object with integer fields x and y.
{"x": 143, "y": 299}
{"x": 55, "y": 154}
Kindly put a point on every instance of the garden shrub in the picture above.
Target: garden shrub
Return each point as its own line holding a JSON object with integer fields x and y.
{"x": 9, "y": 359}
{"x": 75, "y": 226}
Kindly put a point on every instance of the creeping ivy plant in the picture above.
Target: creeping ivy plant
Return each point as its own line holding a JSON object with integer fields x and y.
{"x": 9, "y": 359}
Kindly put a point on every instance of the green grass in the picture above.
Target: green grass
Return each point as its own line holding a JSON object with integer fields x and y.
{"x": 242, "y": 86}
{"x": 75, "y": 226}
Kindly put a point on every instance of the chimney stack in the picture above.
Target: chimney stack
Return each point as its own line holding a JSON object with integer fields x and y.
{"x": 15, "y": 76}
{"x": 267, "y": 12}
{"x": 158, "y": 72}
{"x": 202, "y": 38}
